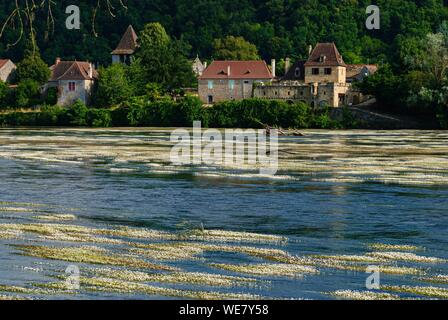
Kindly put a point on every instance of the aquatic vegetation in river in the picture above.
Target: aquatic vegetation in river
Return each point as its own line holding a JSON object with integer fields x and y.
{"x": 207, "y": 279}
{"x": 128, "y": 287}
{"x": 281, "y": 270}
{"x": 56, "y": 217}
{"x": 58, "y": 232}
{"x": 405, "y": 256}
{"x": 10, "y": 234}
{"x": 363, "y": 295}
{"x": 15, "y": 209}
{"x": 191, "y": 251}
{"x": 172, "y": 251}
{"x": 357, "y": 266}
{"x": 93, "y": 255}
{"x": 27, "y": 291}
{"x": 433, "y": 292}
{"x": 440, "y": 278}
{"x": 349, "y": 258}
{"x": 393, "y": 247}
{"x": 230, "y": 236}
{"x": 11, "y": 298}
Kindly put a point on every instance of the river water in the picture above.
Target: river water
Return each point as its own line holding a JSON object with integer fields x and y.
{"x": 111, "y": 205}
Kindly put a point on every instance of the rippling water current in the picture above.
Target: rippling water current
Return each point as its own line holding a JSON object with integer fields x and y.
{"x": 109, "y": 203}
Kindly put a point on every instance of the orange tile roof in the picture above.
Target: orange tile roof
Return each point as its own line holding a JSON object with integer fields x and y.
{"x": 238, "y": 70}
{"x": 327, "y": 50}
{"x": 72, "y": 70}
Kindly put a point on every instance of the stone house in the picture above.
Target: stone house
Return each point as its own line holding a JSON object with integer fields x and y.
{"x": 232, "y": 80}
{"x": 126, "y": 47}
{"x": 74, "y": 81}
{"x": 324, "y": 79}
{"x": 7, "y": 71}
{"x": 357, "y": 72}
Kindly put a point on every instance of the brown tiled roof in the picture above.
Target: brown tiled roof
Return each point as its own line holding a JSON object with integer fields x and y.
{"x": 355, "y": 69}
{"x": 72, "y": 70}
{"x": 291, "y": 74}
{"x": 128, "y": 43}
{"x": 238, "y": 70}
{"x": 3, "y": 62}
{"x": 325, "y": 54}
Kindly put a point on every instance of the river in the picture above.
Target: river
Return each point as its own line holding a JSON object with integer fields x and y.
{"x": 109, "y": 204}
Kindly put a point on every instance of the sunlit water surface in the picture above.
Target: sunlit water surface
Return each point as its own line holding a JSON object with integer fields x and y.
{"x": 337, "y": 193}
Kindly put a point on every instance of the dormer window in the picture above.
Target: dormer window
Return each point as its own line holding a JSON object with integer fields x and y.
{"x": 297, "y": 72}
{"x": 322, "y": 58}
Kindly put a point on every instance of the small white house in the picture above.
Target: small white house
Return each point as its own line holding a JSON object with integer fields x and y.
{"x": 74, "y": 81}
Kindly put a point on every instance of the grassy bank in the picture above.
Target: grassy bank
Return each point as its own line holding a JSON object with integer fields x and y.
{"x": 140, "y": 112}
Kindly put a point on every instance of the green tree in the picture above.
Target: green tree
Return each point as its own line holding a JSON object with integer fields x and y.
{"x": 163, "y": 60}
{"x": 32, "y": 67}
{"x": 3, "y": 93}
{"x": 234, "y": 48}
{"x": 27, "y": 93}
{"x": 113, "y": 86}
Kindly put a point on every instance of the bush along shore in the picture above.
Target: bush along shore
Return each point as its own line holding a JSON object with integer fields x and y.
{"x": 141, "y": 112}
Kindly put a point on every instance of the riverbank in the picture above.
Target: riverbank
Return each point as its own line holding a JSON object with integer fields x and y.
{"x": 250, "y": 113}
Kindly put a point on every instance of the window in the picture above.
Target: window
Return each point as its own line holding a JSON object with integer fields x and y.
{"x": 231, "y": 84}
{"x": 315, "y": 71}
{"x": 328, "y": 71}
{"x": 210, "y": 99}
{"x": 297, "y": 72}
{"x": 246, "y": 81}
{"x": 210, "y": 84}
{"x": 71, "y": 86}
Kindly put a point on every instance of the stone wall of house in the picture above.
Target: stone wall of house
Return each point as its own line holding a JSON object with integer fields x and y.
{"x": 294, "y": 93}
{"x": 312, "y": 94}
{"x": 218, "y": 90}
{"x": 83, "y": 89}
{"x": 338, "y": 75}
{"x": 7, "y": 72}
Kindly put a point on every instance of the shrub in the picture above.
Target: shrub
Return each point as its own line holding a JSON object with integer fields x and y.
{"x": 100, "y": 118}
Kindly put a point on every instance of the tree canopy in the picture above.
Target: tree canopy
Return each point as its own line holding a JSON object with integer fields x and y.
{"x": 234, "y": 48}
{"x": 278, "y": 28}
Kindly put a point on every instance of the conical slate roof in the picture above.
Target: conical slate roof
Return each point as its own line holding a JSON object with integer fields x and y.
{"x": 128, "y": 43}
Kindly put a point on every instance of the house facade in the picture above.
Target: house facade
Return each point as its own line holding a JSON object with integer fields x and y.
{"x": 7, "y": 71}
{"x": 324, "y": 79}
{"x": 126, "y": 47}
{"x": 232, "y": 80}
{"x": 74, "y": 80}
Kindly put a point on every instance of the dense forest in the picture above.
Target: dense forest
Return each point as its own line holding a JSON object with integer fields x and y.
{"x": 278, "y": 28}
{"x": 411, "y": 46}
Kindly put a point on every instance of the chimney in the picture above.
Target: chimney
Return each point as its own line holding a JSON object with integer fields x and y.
{"x": 228, "y": 70}
{"x": 273, "y": 66}
{"x": 310, "y": 49}
{"x": 91, "y": 67}
{"x": 205, "y": 65}
{"x": 287, "y": 65}
{"x": 57, "y": 61}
